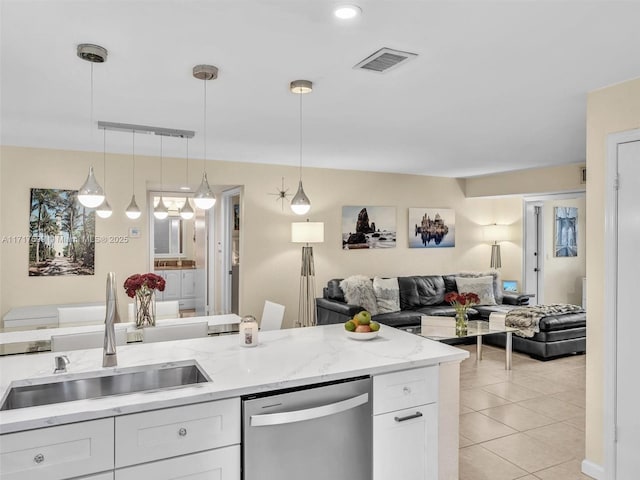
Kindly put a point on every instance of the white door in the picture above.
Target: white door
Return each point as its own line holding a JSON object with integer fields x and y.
{"x": 533, "y": 251}
{"x": 202, "y": 220}
{"x": 627, "y": 385}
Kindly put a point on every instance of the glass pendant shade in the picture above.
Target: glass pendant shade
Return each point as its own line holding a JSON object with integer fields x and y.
{"x": 104, "y": 210}
{"x": 204, "y": 197}
{"x": 91, "y": 194}
{"x": 161, "y": 212}
{"x": 300, "y": 203}
{"x": 187, "y": 212}
{"x": 133, "y": 211}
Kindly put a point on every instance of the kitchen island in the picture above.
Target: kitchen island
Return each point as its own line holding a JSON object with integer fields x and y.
{"x": 284, "y": 359}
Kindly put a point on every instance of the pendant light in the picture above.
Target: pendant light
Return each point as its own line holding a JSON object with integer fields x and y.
{"x": 90, "y": 193}
{"x": 104, "y": 210}
{"x": 204, "y": 197}
{"x": 300, "y": 203}
{"x": 160, "y": 211}
{"x": 186, "y": 212}
{"x": 133, "y": 211}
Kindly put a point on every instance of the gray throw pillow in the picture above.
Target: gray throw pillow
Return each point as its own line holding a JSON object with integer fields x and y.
{"x": 481, "y": 286}
{"x": 358, "y": 290}
{"x": 387, "y": 294}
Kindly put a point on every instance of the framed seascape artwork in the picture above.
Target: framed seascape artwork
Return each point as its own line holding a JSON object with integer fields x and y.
{"x": 432, "y": 228}
{"x": 368, "y": 227}
{"x": 566, "y": 232}
{"x": 61, "y": 234}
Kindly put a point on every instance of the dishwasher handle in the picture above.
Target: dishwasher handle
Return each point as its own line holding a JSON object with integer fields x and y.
{"x": 282, "y": 418}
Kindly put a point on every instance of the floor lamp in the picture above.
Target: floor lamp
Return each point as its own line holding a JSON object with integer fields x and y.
{"x": 307, "y": 232}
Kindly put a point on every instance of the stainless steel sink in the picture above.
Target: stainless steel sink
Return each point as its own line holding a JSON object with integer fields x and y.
{"x": 138, "y": 379}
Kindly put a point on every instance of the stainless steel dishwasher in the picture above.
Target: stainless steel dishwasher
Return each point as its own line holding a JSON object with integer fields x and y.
{"x": 317, "y": 433}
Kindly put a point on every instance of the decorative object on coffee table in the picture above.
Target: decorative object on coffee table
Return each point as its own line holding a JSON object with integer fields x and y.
{"x": 461, "y": 302}
{"x": 142, "y": 288}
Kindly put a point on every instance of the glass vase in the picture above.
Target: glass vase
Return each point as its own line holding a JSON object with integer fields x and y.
{"x": 144, "y": 308}
{"x": 462, "y": 323}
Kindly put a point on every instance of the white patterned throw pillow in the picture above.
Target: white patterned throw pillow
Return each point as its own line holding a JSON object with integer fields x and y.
{"x": 481, "y": 286}
{"x": 358, "y": 290}
{"x": 387, "y": 294}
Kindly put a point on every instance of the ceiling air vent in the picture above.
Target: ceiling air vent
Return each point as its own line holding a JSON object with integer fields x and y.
{"x": 384, "y": 60}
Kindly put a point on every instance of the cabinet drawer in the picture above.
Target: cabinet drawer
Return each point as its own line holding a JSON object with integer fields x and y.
{"x": 219, "y": 464}
{"x": 57, "y": 452}
{"x": 408, "y": 388}
{"x": 166, "y": 433}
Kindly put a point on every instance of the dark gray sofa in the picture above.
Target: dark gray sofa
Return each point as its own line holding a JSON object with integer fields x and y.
{"x": 424, "y": 295}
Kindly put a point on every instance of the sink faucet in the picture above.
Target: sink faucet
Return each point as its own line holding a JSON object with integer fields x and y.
{"x": 109, "y": 357}
{"x": 61, "y": 364}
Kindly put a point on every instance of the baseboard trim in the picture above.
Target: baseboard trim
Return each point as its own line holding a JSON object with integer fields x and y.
{"x": 593, "y": 470}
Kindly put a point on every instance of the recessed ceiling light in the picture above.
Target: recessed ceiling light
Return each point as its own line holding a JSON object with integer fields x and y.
{"x": 347, "y": 12}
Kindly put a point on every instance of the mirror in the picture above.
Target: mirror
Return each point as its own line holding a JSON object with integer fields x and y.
{"x": 167, "y": 237}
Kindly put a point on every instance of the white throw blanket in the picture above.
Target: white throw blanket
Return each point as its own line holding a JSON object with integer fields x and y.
{"x": 527, "y": 319}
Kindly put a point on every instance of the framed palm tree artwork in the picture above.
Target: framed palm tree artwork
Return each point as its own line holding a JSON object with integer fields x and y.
{"x": 61, "y": 234}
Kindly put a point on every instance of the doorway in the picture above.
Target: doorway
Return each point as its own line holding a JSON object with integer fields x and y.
{"x": 622, "y": 230}
{"x": 230, "y": 231}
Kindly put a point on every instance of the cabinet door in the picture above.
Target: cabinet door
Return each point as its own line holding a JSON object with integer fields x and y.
{"x": 59, "y": 452}
{"x": 405, "y": 444}
{"x": 173, "y": 285}
{"x": 188, "y": 284}
{"x": 220, "y": 464}
{"x": 159, "y": 294}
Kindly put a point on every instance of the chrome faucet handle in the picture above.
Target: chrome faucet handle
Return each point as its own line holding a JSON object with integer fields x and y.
{"x": 61, "y": 364}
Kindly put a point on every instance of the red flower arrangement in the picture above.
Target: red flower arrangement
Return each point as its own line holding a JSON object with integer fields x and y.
{"x": 147, "y": 282}
{"x": 462, "y": 301}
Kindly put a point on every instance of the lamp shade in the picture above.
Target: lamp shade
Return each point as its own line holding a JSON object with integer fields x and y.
{"x": 496, "y": 233}
{"x": 307, "y": 232}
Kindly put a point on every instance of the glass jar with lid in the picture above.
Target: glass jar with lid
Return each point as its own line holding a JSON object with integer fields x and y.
{"x": 248, "y": 331}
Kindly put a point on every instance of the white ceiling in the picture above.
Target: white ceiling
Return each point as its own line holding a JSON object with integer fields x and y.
{"x": 497, "y": 85}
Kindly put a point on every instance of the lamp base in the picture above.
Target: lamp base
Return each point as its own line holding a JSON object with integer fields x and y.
{"x": 496, "y": 261}
{"x": 307, "y": 316}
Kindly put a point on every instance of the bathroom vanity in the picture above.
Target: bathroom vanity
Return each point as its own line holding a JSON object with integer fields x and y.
{"x": 195, "y": 429}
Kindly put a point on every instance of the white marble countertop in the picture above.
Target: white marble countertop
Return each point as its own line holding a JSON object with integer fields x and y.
{"x": 44, "y": 334}
{"x": 284, "y": 358}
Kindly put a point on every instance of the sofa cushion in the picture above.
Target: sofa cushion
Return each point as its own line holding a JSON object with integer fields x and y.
{"x": 445, "y": 310}
{"x": 334, "y": 292}
{"x": 399, "y": 319}
{"x": 358, "y": 290}
{"x": 552, "y": 323}
{"x": 419, "y": 291}
{"x": 387, "y": 294}
{"x": 481, "y": 286}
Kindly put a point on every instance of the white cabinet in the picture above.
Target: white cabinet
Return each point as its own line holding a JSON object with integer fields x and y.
{"x": 147, "y": 436}
{"x": 221, "y": 464}
{"x": 179, "y": 285}
{"x": 405, "y": 425}
{"x": 59, "y": 452}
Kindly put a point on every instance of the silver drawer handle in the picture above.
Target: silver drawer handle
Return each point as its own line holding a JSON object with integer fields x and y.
{"x": 406, "y": 390}
{"x": 182, "y": 432}
{"x": 408, "y": 417}
{"x": 38, "y": 458}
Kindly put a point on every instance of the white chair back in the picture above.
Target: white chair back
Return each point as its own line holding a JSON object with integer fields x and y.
{"x": 163, "y": 333}
{"x": 272, "y": 316}
{"x": 167, "y": 309}
{"x": 92, "y": 315}
{"x": 81, "y": 341}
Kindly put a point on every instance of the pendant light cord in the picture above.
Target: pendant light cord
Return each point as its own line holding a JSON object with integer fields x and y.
{"x": 161, "y": 185}
{"x": 186, "y": 183}
{"x": 204, "y": 134}
{"x": 91, "y": 104}
{"x": 300, "y": 94}
{"x": 133, "y": 151}
{"x": 104, "y": 159}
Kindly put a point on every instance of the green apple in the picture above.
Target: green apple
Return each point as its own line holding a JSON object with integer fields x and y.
{"x": 375, "y": 326}
{"x": 363, "y": 317}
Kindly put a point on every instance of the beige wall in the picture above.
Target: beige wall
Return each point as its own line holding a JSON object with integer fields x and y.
{"x": 270, "y": 263}
{"x": 563, "y": 275}
{"x": 609, "y": 110}
{"x": 537, "y": 181}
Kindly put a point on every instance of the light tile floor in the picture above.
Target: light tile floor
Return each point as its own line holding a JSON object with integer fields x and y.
{"x": 527, "y": 423}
